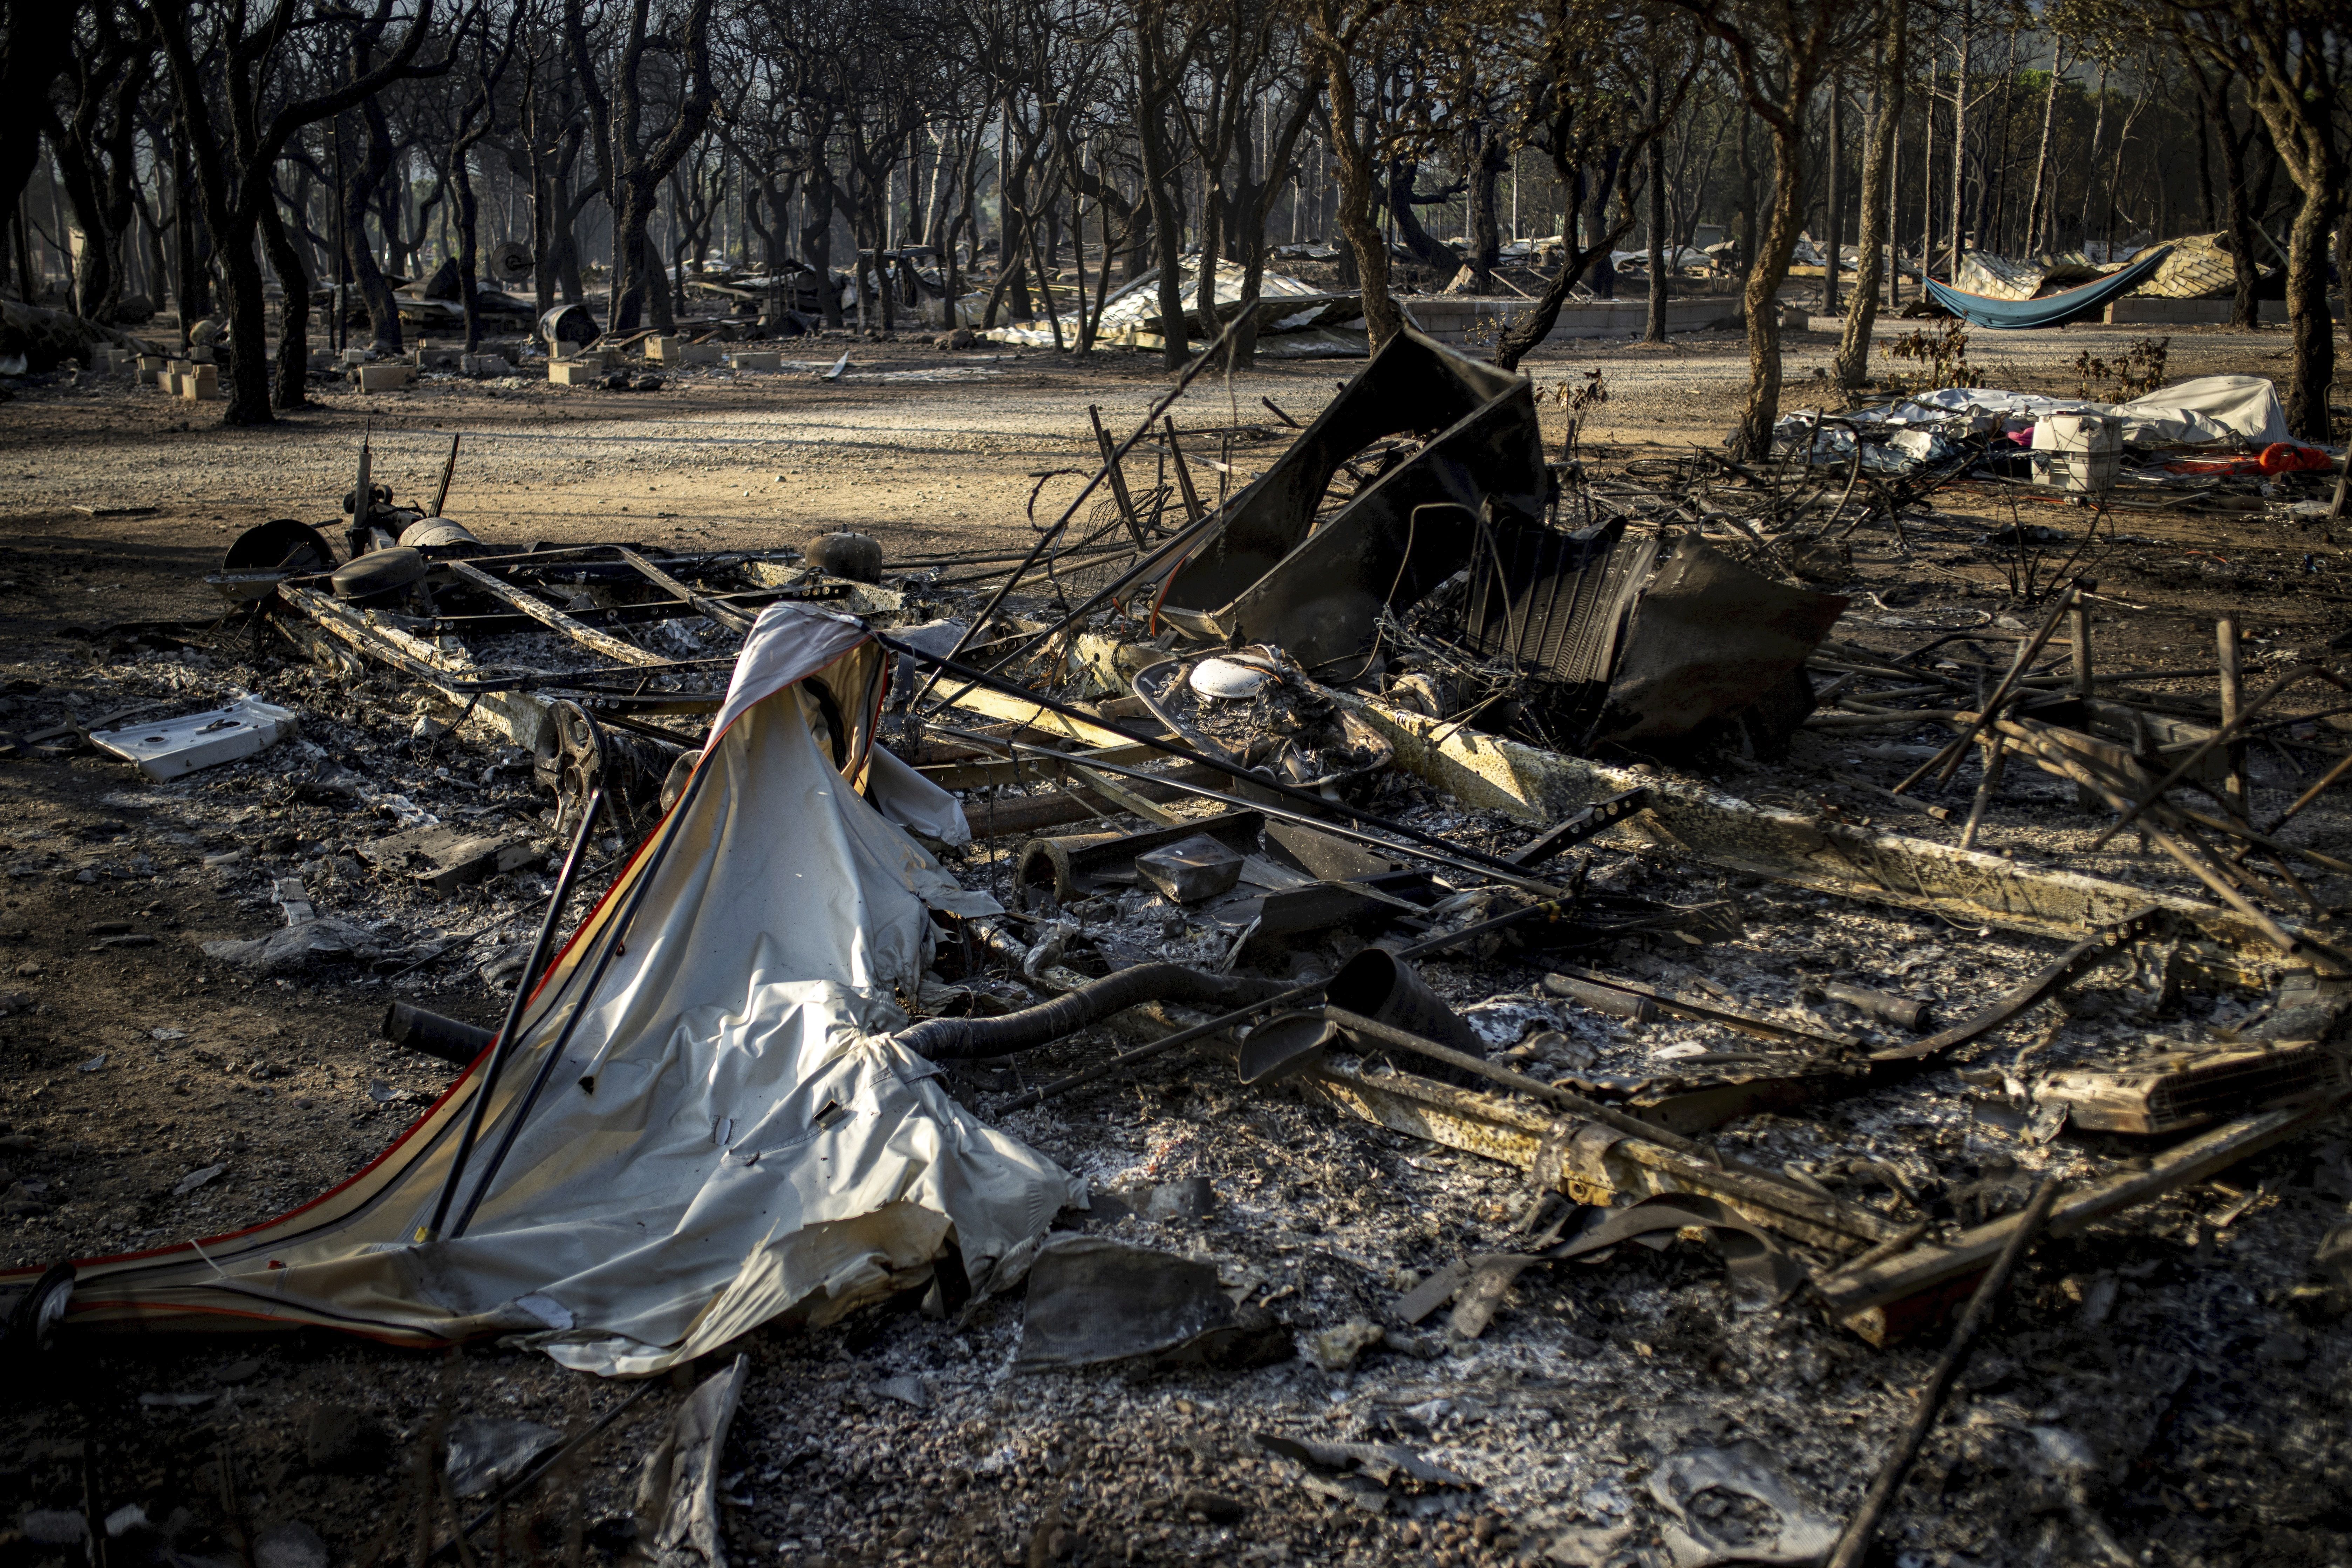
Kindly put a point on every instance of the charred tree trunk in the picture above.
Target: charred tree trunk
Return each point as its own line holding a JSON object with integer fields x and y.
{"x": 1486, "y": 167}
{"x": 94, "y": 279}
{"x": 1653, "y": 330}
{"x": 1156, "y": 82}
{"x": 1355, "y": 212}
{"x": 1404, "y": 174}
{"x": 362, "y": 175}
{"x": 191, "y": 248}
{"x": 1874, "y": 240}
{"x": 1760, "y": 299}
{"x": 2037, "y": 208}
{"x": 288, "y": 390}
{"x": 2311, "y": 331}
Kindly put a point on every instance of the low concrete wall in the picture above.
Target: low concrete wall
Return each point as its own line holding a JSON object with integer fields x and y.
{"x": 2131, "y": 311}
{"x": 1449, "y": 318}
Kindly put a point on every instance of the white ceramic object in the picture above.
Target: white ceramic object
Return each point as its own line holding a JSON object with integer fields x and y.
{"x": 1229, "y": 679}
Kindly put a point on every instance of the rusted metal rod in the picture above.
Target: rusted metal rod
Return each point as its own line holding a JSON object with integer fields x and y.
{"x": 1854, "y": 1544}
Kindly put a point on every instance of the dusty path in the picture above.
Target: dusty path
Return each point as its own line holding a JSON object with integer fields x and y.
{"x": 929, "y": 451}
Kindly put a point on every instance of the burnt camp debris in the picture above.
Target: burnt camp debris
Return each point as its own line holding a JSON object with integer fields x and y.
{"x": 1526, "y": 901}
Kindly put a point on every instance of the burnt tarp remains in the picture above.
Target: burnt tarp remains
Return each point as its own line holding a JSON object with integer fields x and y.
{"x": 1283, "y": 564}
{"x": 1640, "y": 641}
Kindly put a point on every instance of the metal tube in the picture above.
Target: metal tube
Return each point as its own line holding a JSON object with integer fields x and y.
{"x": 475, "y": 1112}
{"x": 618, "y": 933}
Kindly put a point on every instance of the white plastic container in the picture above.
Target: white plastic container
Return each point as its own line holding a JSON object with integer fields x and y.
{"x": 2080, "y": 452}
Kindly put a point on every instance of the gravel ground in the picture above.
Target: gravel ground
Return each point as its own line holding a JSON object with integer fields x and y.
{"x": 2157, "y": 1380}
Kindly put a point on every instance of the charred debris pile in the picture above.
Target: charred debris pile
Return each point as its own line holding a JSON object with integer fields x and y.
{"x": 1373, "y": 787}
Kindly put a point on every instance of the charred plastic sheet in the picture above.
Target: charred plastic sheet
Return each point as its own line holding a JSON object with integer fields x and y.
{"x": 1271, "y": 568}
{"x": 1641, "y": 641}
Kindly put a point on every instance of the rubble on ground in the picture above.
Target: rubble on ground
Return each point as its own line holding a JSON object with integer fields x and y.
{"x": 1671, "y": 975}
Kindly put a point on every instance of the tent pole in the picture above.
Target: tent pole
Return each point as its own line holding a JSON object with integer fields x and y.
{"x": 619, "y": 930}
{"x": 498, "y": 1053}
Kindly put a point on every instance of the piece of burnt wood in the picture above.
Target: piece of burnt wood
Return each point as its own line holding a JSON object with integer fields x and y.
{"x": 548, "y": 616}
{"x": 1896, "y": 1296}
{"x": 1853, "y": 1541}
{"x": 1117, "y": 477}
{"x": 1193, "y": 510}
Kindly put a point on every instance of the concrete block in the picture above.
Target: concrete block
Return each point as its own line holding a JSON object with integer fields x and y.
{"x": 756, "y": 358}
{"x": 446, "y": 858}
{"x": 678, "y": 351}
{"x": 354, "y": 358}
{"x": 484, "y": 364}
{"x": 388, "y": 375}
{"x": 200, "y": 384}
{"x": 575, "y": 373}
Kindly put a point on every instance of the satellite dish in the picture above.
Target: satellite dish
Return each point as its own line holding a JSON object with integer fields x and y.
{"x": 511, "y": 260}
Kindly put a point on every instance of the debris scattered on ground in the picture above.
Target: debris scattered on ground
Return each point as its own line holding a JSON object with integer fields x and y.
{"x": 1521, "y": 991}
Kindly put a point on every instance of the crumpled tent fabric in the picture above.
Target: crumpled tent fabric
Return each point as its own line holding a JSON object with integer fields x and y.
{"x": 2208, "y": 411}
{"x": 755, "y": 1145}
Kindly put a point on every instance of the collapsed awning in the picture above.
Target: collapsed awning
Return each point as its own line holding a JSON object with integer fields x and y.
{"x": 754, "y": 1145}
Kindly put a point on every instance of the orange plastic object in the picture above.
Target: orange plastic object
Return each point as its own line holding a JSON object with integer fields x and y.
{"x": 2290, "y": 457}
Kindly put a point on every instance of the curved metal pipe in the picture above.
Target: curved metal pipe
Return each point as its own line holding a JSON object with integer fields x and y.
{"x": 964, "y": 1039}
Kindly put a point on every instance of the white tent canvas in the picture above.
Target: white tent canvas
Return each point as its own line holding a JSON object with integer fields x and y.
{"x": 711, "y": 1124}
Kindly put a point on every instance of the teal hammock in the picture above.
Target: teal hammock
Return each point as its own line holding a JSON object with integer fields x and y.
{"x": 2050, "y": 309}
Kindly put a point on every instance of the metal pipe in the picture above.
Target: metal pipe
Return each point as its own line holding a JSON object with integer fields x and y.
{"x": 1854, "y": 1544}
{"x": 479, "y": 1109}
{"x": 611, "y": 949}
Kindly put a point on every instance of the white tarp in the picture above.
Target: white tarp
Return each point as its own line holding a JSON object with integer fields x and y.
{"x": 754, "y": 1145}
{"x": 2210, "y": 410}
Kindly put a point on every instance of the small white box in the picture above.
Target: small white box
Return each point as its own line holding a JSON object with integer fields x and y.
{"x": 2078, "y": 452}
{"x": 178, "y": 746}
{"x": 2098, "y": 433}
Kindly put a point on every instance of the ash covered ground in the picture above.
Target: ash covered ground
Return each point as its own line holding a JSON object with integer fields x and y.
{"x": 2158, "y": 1386}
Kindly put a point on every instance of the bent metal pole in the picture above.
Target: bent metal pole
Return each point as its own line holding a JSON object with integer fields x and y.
{"x": 1046, "y": 539}
{"x": 505, "y": 1046}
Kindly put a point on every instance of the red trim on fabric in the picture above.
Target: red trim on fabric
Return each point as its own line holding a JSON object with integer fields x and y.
{"x": 189, "y": 1248}
{"x": 404, "y": 1337}
{"x": 1166, "y": 582}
